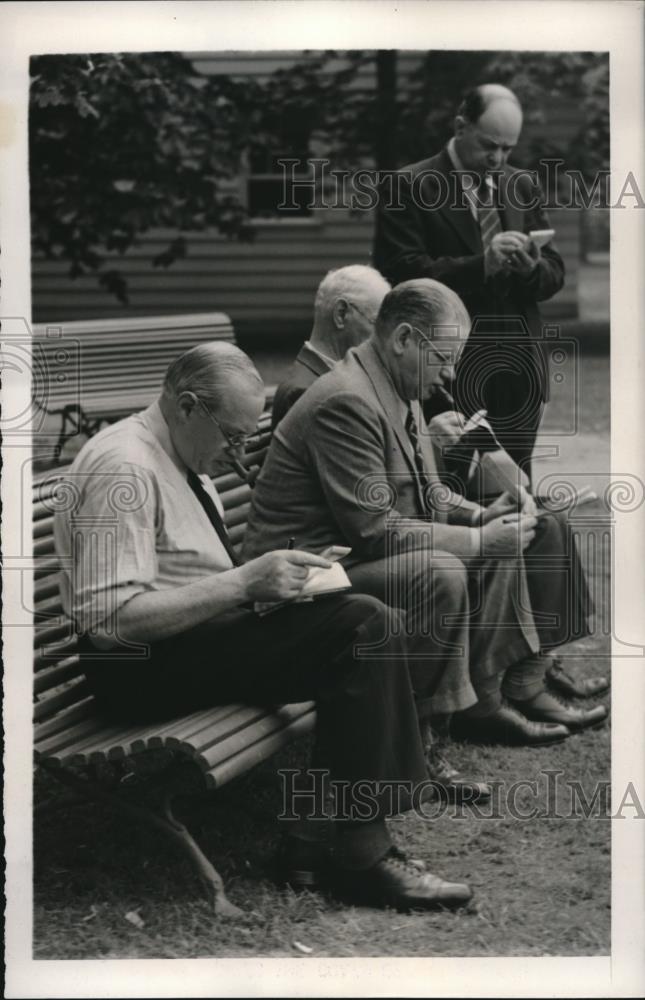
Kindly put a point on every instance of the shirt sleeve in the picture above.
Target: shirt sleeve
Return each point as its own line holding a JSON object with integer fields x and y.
{"x": 112, "y": 542}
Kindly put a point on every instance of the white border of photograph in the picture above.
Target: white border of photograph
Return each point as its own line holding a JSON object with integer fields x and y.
{"x": 33, "y": 28}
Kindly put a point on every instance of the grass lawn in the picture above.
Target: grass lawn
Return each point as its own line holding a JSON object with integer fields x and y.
{"x": 542, "y": 885}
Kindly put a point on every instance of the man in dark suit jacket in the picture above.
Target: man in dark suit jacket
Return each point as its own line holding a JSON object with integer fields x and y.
{"x": 350, "y": 464}
{"x": 345, "y": 308}
{"x": 463, "y": 217}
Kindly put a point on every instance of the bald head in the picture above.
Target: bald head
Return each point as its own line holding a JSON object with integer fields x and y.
{"x": 414, "y": 316}
{"x": 213, "y": 372}
{"x": 487, "y": 127}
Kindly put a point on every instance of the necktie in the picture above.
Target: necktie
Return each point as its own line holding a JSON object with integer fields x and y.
{"x": 487, "y": 215}
{"x": 212, "y": 514}
{"x": 413, "y": 434}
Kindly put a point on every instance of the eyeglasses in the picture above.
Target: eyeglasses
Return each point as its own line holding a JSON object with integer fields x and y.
{"x": 450, "y": 362}
{"x": 234, "y": 442}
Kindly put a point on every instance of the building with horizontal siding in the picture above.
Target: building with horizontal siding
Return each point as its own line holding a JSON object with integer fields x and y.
{"x": 266, "y": 285}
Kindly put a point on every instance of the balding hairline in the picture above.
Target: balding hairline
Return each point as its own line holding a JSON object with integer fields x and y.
{"x": 207, "y": 371}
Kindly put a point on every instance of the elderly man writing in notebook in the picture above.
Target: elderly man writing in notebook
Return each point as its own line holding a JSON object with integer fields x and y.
{"x": 150, "y": 570}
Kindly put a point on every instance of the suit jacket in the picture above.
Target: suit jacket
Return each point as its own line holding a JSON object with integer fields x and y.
{"x": 303, "y": 373}
{"x": 340, "y": 470}
{"x": 444, "y": 243}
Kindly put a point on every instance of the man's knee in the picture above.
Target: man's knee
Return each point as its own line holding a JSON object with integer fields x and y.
{"x": 449, "y": 577}
{"x": 369, "y": 614}
{"x": 424, "y": 572}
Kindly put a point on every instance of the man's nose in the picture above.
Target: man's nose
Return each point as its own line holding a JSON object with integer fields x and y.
{"x": 496, "y": 159}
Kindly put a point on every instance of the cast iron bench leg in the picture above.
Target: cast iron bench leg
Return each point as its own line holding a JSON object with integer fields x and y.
{"x": 167, "y": 822}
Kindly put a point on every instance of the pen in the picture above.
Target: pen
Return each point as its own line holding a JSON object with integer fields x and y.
{"x": 291, "y": 542}
{"x": 239, "y": 468}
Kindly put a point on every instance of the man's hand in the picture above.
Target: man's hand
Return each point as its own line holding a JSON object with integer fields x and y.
{"x": 525, "y": 260}
{"x": 503, "y": 505}
{"x": 279, "y": 575}
{"x": 528, "y": 505}
{"x": 446, "y": 428}
{"x": 501, "y": 247}
{"x": 507, "y": 536}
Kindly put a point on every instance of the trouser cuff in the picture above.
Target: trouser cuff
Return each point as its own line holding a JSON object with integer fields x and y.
{"x": 525, "y": 680}
{"x": 359, "y": 845}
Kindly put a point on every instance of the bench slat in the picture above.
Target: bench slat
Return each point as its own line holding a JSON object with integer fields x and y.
{"x": 55, "y": 653}
{"x": 46, "y": 588}
{"x": 46, "y": 680}
{"x": 67, "y": 698}
{"x": 44, "y": 546}
{"x": 237, "y": 515}
{"x": 200, "y": 742}
{"x": 158, "y": 738}
{"x": 238, "y": 495}
{"x": 49, "y": 634}
{"x": 260, "y": 728}
{"x": 66, "y": 739}
{"x": 251, "y": 756}
{"x": 66, "y": 718}
{"x": 118, "y": 741}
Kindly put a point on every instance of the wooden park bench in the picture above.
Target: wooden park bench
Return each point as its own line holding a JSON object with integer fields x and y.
{"x": 90, "y": 372}
{"x": 73, "y": 742}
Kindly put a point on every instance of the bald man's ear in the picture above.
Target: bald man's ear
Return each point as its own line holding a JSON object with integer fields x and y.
{"x": 339, "y": 313}
{"x": 460, "y": 124}
{"x": 186, "y": 404}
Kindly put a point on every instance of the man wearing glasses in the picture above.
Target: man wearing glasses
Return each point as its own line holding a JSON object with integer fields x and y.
{"x": 345, "y": 308}
{"x": 463, "y": 217}
{"x": 165, "y": 611}
{"x": 352, "y": 464}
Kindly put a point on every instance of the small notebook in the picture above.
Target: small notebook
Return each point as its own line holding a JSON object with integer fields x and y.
{"x": 321, "y": 581}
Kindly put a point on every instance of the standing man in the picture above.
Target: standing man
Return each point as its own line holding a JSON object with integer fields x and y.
{"x": 167, "y": 576}
{"x": 463, "y": 217}
{"x": 345, "y": 309}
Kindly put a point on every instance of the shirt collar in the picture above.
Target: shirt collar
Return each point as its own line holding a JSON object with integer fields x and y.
{"x": 154, "y": 420}
{"x": 319, "y": 354}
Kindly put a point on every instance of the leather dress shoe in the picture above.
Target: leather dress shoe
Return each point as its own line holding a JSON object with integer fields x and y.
{"x": 307, "y": 865}
{"x": 563, "y": 683}
{"x": 449, "y": 783}
{"x": 547, "y": 707}
{"x": 394, "y": 881}
{"x": 507, "y": 725}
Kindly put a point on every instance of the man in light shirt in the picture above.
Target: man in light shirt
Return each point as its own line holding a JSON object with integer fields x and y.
{"x": 164, "y": 608}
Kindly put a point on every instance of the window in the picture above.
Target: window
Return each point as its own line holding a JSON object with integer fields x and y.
{"x": 268, "y": 185}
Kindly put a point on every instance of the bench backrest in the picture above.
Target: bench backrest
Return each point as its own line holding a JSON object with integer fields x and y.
{"x": 60, "y": 691}
{"x": 114, "y": 365}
